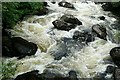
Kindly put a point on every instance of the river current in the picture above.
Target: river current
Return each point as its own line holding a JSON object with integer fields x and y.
{"x": 88, "y": 61}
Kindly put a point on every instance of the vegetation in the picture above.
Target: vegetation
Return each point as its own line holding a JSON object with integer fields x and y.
{"x": 114, "y": 7}
{"x": 12, "y": 12}
{"x": 117, "y": 36}
{"x": 7, "y": 69}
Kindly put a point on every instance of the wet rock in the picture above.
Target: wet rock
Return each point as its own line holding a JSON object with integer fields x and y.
{"x": 66, "y": 5}
{"x": 23, "y": 47}
{"x": 116, "y": 26}
{"x": 32, "y": 75}
{"x": 58, "y": 51}
{"x": 61, "y": 25}
{"x": 64, "y": 47}
{"x": 115, "y": 54}
{"x": 116, "y": 74}
{"x": 50, "y": 75}
{"x": 110, "y": 69}
{"x": 107, "y": 6}
{"x": 70, "y": 19}
{"x": 18, "y": 47}
{"x": 6, "y": 47}
{"x": 102, "y": 18}
{"x": 100, "y": 31}
{"x": 43, "y": 11}
{"x": 53, "y": 2}
{"x": 72, "y": 75}
{"x": 83, "y": 36}
{"x": 45, "y": 3}
{"x": 100, "y": 76}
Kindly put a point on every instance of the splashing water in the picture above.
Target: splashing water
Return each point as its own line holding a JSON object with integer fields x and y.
{"x": 87, "y": 62}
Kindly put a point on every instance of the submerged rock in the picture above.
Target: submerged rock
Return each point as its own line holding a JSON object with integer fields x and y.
{"x": 102, "y": 18}
{"x": 61, "y": 25}
{"x": 18, "y": 47}
{"x": 66, "y": 5}
{"x": 83, "y": 36}
{"x": 72, "y": 75}
{"x": 116, "y": 26}
{"x": 100, "y": 76}
{"x": 100, "y": 31}
{"x": 115, "y": 54}
{"x": 116, "y": 74}
{"x": 110, "y": 69}
{"x": 70, "y": 19}
{"x": 65, "y": 47}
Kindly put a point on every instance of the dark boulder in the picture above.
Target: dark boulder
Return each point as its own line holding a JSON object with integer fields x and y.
{"x": 72, "y": 75}
{"x": 18, "y": 47}
{"x": 70, "y": 19}
{"x": 22, "y": 47}
{"x": 53, "y": 2}
{"x": 107, "y": 6}
{"x": 115, "y": 54}
{"x": 110, "y": 69}
{"x": 32, "y": 75}
{"x": 66, "y": 5}
{"x": 6, "y": 47}
{"x": 116, "y": 74}
{"x": 100, "y": 31}
{"x": 51, "y": 75}
{"x": 46, "y": 75}
{"x": 83, "y": 36}
{"x": 61, "y": 25}
{"x": 101, "y": 17}
{"x": 45, "y": 3}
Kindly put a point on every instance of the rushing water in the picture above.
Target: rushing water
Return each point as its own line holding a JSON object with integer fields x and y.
{"x": 87, "y": 61}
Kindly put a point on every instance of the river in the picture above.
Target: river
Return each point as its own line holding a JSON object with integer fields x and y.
{"x": 88, "y": 61}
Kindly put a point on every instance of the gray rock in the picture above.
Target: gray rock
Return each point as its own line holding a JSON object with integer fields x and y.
{"x": 65, "y": 47}
{"x": 61, "y": 25}
{"x": 83, "y": 36}
{"x": 70, "y": 19}
{"x": 100, "y": 31}
{"x": 66, "y": 5}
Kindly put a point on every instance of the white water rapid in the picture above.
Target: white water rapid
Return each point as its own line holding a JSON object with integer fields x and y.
{"x": 87, "y": 62}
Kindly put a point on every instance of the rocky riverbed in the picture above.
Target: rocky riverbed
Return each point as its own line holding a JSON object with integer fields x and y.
{"x": 75, "y": 40}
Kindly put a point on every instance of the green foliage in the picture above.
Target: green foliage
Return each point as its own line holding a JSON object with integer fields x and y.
{"x": 8, "y": 69}
{"x": 115, "y": 8}
{"x": 115, "y": 4}
{"x": 12, "y": 12}
{"x": 117, "y": 36}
